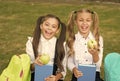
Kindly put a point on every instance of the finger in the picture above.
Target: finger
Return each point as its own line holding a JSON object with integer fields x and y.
{"x": 38, "y": 57}
{"x": 38, "y": 62}
{"x": 80, "y": 74}
{"x": 95, "y": 46}
{"x": 77, "y": 74}
{"x": 51, "y": 76}
{"x": 90, "y": 51}
{"x": 46, "y": 79}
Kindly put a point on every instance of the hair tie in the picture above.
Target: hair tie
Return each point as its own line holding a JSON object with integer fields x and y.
{"x": 92, "y": 12}
{"x": 75, "y": 11}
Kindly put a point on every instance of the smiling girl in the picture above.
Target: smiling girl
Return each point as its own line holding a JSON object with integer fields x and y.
{"x": 44, "y": 40}
{"x": 87, "y": 24}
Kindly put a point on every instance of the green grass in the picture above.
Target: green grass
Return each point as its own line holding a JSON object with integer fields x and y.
{"x": 18, "y": 19}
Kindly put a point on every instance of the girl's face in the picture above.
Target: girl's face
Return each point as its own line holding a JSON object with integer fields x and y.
{"x": 49, "y": 28}
{"x": 84, "y": 22}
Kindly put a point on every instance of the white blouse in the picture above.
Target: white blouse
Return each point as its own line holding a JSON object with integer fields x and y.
{"x": 45, "y": 46}
{"x": 82, "y": 56}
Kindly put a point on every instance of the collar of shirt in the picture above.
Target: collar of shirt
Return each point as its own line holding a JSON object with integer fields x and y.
{"x": 42, "y": 39}
{"x": 78, "y": 36}
{"x": 47, "y": 47}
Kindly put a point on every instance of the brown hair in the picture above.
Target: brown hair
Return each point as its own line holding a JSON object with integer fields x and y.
{"x": 59, "y": 45}
{"x": 71, "y": 25}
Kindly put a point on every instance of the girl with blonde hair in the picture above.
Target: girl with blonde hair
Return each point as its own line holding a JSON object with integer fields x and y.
{"x": 87, "y": 23}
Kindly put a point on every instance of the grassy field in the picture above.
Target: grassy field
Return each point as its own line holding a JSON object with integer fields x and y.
{"x": 18, "y": 19}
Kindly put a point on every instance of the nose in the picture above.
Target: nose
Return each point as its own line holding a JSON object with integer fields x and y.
{"x": 49, "y": 27}
{"x": 84, "y": 22}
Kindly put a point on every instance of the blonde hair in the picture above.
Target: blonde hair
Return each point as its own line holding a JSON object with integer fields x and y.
{"x": 71, "y": 25}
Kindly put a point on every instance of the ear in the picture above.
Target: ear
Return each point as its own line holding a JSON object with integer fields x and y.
{"x": 41, "y": 26}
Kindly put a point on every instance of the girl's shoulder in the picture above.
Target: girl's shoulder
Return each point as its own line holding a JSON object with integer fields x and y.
{"x": 101, "y": 38}
{"x": 30, "y": 38}
{"x": 64, "y": 43}
{"x": 29, "y": 42}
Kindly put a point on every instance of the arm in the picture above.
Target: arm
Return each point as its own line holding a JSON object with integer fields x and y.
{"x": 29, "y": 51}
{"x": 71, "y": 63}
{"x": 97, "y": 55}
{"x": 98, "y": 64}
{"x": 73, "y": 68}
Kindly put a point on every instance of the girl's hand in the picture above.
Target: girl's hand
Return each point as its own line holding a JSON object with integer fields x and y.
{"x": 94, "y": 53}
{"x": 94, "y": 50}
{"x": 51, "y": 78}
{"x": 37, "y": 61}
{"x": 77, "y": 73}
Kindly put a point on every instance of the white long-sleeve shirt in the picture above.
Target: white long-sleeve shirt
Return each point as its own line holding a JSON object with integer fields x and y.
{"x": 82, "y": 56}
{"x": 45, "y": 46}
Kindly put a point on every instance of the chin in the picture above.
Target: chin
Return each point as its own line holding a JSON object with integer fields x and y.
{"x": 84, "y": 32}
{"x": 48, "y": 37}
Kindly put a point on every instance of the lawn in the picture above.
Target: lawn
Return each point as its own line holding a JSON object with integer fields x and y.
{"x": 18, "y": 19}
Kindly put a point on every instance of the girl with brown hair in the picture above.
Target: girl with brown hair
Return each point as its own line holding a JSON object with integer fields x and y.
{"x": 44, "y": 40}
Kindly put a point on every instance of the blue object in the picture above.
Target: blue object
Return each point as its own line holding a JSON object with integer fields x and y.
{"x": 89, "y": 72}
{"x": 112, "y": 67}
{"x": 41, "y": 72}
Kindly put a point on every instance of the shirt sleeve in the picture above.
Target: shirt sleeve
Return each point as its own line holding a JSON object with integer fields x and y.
{"x": 98, "y": 64}
{"x": 29, "y": 49}
{"x": 64, "y": 63}
{"x": 70, "y": 61}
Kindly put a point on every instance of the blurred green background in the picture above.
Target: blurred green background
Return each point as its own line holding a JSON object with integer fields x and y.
{"x": 18, "y": 20}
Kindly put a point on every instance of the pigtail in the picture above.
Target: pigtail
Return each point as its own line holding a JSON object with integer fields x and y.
{"x": 71, "y": 34}
{"x": 96, "y": 27}
{"x": 60, "y": 47}
{"x": 36, "y": 36}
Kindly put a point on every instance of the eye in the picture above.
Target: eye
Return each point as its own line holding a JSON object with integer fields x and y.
{"x": 80, "y": 19}
{"x": 46, "y": 24}
{"x": 54, "y": 26}
{"x": 89, "y": 20}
